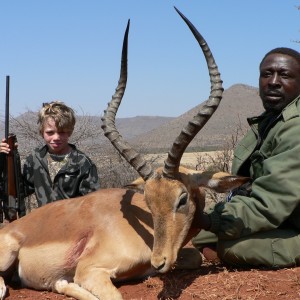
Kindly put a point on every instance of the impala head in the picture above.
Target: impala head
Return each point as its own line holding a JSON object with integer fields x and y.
{"x": 172, "y": 193}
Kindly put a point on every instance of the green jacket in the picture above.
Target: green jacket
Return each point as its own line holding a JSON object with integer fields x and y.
{"x": 78, "y": 177}
{"x": 270, "y": 154}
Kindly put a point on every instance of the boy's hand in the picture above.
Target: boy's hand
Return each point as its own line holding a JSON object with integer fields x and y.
{"x": 4, "y": 147}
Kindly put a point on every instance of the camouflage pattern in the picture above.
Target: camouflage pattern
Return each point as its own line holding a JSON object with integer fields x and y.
{"x": 77, "y": 177}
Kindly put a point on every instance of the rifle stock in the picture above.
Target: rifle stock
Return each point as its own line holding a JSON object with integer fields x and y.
{"x": 12, "y": 205}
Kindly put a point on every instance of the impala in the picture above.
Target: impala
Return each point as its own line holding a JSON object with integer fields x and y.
{"x": 79, "y": 247}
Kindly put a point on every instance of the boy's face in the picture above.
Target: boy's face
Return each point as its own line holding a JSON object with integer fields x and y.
{"x": 57, "y": 141}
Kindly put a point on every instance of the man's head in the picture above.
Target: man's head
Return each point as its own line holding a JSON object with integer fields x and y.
{"x": 279, "y": 80}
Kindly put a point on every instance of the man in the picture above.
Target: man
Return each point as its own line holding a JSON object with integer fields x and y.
{"x": 260, "y": 226}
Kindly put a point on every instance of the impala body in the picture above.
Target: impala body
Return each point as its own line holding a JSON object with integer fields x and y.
{"x": 80, "y": 246}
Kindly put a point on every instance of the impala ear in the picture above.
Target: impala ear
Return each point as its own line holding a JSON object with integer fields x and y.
{"x": 137, "y": 184}
{"x": 226, "y": 183}
{"x": 220, "y": 182}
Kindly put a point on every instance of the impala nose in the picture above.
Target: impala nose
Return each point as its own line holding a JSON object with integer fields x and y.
{"x": 158, "y": 263}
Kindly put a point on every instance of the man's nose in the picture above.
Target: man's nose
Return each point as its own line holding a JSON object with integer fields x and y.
{"x": 274, "y": 79}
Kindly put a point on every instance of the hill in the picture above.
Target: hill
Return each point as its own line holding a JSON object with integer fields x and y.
{"x": 138, "y": 126}
{"x": 239, "y": 102}
{"x": 157, "y": 133}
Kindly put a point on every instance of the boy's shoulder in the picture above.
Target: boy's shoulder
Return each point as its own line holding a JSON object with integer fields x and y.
{"x": 79, "y": 157}
{"x": 39, "y": 151}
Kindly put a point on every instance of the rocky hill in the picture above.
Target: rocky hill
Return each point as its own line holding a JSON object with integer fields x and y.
{"x": 239, "y": 102}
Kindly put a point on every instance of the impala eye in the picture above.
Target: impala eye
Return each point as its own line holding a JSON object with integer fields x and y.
{"x": 182, "y": 200}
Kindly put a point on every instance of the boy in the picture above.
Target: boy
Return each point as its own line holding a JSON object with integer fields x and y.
{"x": 57, "y": 170}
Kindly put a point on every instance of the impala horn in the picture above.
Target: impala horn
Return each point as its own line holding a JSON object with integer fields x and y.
{"x": 110, "y": 131}
{"x": 172, "y": 162}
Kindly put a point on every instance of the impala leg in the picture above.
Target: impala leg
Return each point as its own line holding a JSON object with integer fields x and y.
{"x": 2, "y": 288}
{"x": 98, "y": 282}
{"x": 73, "y": 290}
{"x": 9, "y": 249}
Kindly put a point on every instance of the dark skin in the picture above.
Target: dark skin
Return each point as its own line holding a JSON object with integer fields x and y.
{"x": 279, "y": 85}
{"x": 279, "y": 81}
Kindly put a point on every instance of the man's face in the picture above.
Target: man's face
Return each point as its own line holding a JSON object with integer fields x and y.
{"x": 279, "y": 81}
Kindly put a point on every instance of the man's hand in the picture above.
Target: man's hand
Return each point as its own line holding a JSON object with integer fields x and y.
{"x": 205, "y": 221}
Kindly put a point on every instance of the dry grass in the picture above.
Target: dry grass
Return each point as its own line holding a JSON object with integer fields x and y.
{"x": 189, "y": 159}
{"x": 210, "y": 282}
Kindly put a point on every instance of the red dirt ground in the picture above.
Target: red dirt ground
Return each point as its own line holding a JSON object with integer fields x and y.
{"x": 210, "y": 282}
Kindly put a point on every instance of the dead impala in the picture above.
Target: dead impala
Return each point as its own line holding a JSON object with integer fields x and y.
{"x": 79, "y": 247}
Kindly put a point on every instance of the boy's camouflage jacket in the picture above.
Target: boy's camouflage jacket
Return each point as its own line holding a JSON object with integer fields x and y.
{"x": 78, "y": 177}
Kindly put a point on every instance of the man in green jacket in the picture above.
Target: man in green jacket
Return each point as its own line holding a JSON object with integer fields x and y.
{"x": 260, "y": 225}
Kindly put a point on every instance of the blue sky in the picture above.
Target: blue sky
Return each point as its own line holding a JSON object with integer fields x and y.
{"x": 70, "y": 50}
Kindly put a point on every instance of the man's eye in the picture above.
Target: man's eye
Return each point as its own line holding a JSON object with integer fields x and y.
{"x": 265, "y": 74}
{"x": 284, "y": 75}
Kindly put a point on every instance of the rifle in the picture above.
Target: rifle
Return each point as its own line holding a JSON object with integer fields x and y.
{"x": 12, "y": 202}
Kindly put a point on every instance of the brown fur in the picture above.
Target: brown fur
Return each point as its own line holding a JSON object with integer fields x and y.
{"x": 79, "y": 246}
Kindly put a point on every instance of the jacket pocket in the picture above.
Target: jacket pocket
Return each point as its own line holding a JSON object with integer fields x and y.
{"x": 256, "y": 169}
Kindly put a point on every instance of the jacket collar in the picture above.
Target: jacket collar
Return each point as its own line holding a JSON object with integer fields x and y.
{"x": 289, "y": 112}
{"x": 44, "y": 149}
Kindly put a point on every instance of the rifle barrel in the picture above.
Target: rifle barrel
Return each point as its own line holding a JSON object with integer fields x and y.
{"x": 7, "y": 108}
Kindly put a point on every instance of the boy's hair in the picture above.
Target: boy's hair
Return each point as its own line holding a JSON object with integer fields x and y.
{"x": 63, "y": 116}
